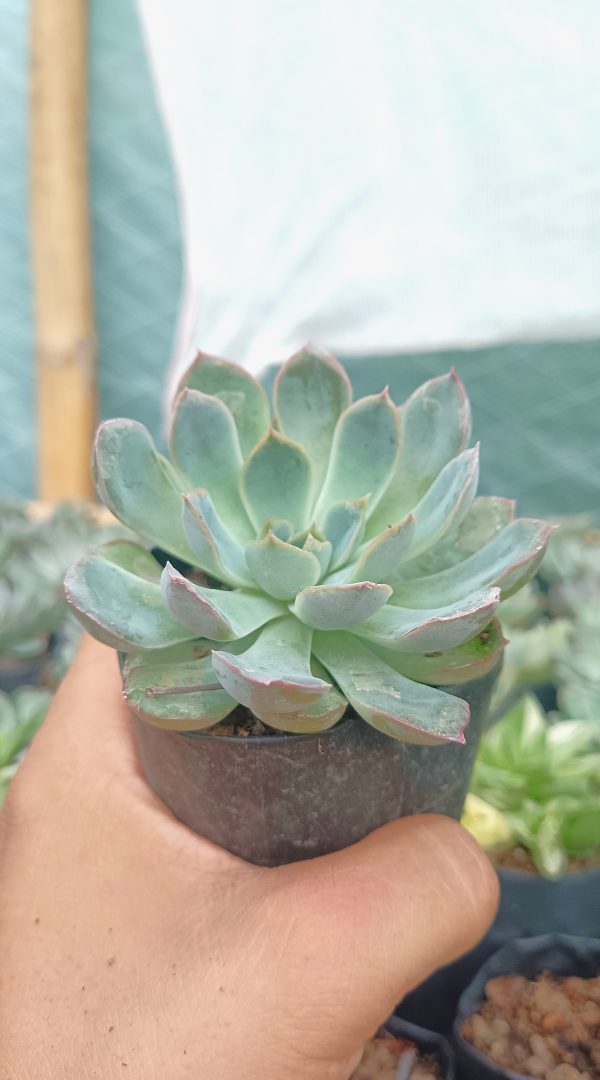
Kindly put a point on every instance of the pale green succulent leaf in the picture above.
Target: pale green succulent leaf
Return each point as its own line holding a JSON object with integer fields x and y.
{"x": 507, "y": 562}
{"x": 446, "y": 501}
{"x": 419, "y": 630}
{"x": 484, "y": 519}
{"x": 380, "y": 558}
{"x": 217, "y": 614}
{"x": 119, "y": 608}
{"x": 310, "y": 392}
{"x": 204, "y": 445}
{"x": 281, "y": 569}
{"x": 321, "y": 549}
{"x": 405, "y": 710}
{"x": 274, "y": 675}
{"x": 166, "y": 694}
{"x": 320, "y": 716}
{"x": 284, "y": 530}
{"x": 139, "y": 485}
{"x": 337, "y": 607}
{"x": 363, "y": 454}
{"x": 276, "y": 482}
{"x": 131, "y": 556}
{"x": 214, "y": 548}
{"x": 344, "y": 526}
{"x": 238, "y": 390}
{"x": 449, "y": 667}
{"x": 436, "y": 426}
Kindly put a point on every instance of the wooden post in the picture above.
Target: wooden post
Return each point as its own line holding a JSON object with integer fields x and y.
{"x": 65, "y": 337}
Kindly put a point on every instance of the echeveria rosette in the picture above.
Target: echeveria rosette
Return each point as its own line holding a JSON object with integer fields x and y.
{"x": 339, "y": 554}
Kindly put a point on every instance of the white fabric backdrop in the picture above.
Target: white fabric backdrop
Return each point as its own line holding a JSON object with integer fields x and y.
{"x": 382, "y": 174}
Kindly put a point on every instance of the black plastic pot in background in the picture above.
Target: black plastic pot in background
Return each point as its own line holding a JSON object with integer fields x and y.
{"x": 559, "y": 953}
{"x": 276, "y": 799}
{"x": 428, "y": 1042}
{"x": 530, "y": 906}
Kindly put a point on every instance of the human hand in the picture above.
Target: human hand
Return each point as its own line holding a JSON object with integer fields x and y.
{"x": 131, "y": 948}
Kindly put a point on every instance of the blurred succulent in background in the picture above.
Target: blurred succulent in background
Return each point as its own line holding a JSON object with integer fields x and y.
{"x": 21, "y": 714}
{"x": 545, "y": 778}
{"x": 335, "y": 555}
{"x": 578, "y": 665}
{"x": 570, "y": 572}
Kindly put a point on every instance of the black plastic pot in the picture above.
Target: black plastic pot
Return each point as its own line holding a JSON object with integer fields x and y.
{"x": 558, "y": 953}
{"x": 530, "y": 905}
{"x": 276, "y": 799}
{"x": 428, "y": 1042}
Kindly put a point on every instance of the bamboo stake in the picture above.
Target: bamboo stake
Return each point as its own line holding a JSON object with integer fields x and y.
{"x": 65, "y": 337}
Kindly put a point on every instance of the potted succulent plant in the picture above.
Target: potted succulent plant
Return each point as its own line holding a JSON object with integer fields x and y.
{"x": 335, "y": 570}
{"x": 21, "y": 714}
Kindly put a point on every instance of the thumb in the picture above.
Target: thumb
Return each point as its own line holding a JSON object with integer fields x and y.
{"x": 377, "y": 918}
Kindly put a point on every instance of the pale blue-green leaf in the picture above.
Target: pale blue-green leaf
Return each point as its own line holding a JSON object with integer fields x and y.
{"x": 273, "y": 676}
{"x": 449, "y": 667}
{"x": 169, "y": 695}
{"x": 131, "y": 556}
{"x": 436, "y": 426}
{"x": 276, "y": 482}
{"x": 344, "y": 526}
{"x": 446, "y": 502}
{"x": 406, "y": 710}
{"x": 507, "y": 561}
{"x": 321, "y": 549}
{"x": 283, "y": 529}
{"x": 363, "y": 454}
{"x": 379, "y": 560}
{"x": 336, "y": 607}
{"x": 421, "y": 630}
{"x": 238, "y": 390}
{"x": 485, "y": 518}
{"x": 281, "y": 569}
{"x": 205, "y": 446}
{"x": 310, "y": 392}
{"x": 218, "y": 614}
{"x": 139, "y": 485}
{"x": 215, "y": 550}
{"x": 319, "y": 716}
{"x": 119, "y": 608}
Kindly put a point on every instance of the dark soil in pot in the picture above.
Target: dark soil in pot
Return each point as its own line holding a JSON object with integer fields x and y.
{"x": 533, "y": 1010}
{"x": 278, "y": 798}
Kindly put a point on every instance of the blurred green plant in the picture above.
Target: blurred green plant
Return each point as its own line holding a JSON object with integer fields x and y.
{"x": 21, "y": 714}
{"x": 544, "y": 776}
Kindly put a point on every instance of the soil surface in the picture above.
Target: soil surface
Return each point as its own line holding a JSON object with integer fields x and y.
{"x": 241, "y": 723}
{"x": 548, "y": 1027}
{"x": 518, "y": 858}
{"x": 395, "y": 1059}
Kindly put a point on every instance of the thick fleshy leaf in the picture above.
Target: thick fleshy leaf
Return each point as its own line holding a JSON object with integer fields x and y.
{"x": 507, "y": 561}
{"x": 281, "y": 569}
{"x": 218, "y": 614}
{"x": 344, "y": 526}
{"x": 276, "y": 482}
{"x": 273, "y": 676}
{"x": 484, "y": 519}
{"x": 283, "y": 529}
{"x": 310, "y": 392}
{"x": 119, "y": 608}
{"x": 436, "y": 426}
{"x": 446, "y": 502}
{"x": 321, "y": 549}
{"x": 319, "y": 716}
{"x": 363, "y": 454}
{"x": 408, "y": 711}
{"x": 139, "y": 485}
{"x": 450, "y": 667}
{"x": 335, "y": 607}
{"x": 166, "y": 694}
{"x": 214, "y": 548}
{"x": 131, "y": 556}
{"x": 422, "y": 630}
{"x": 205, "y": 446}
{"x": 238, "y": 390}
{"x": 379, "y": 560}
